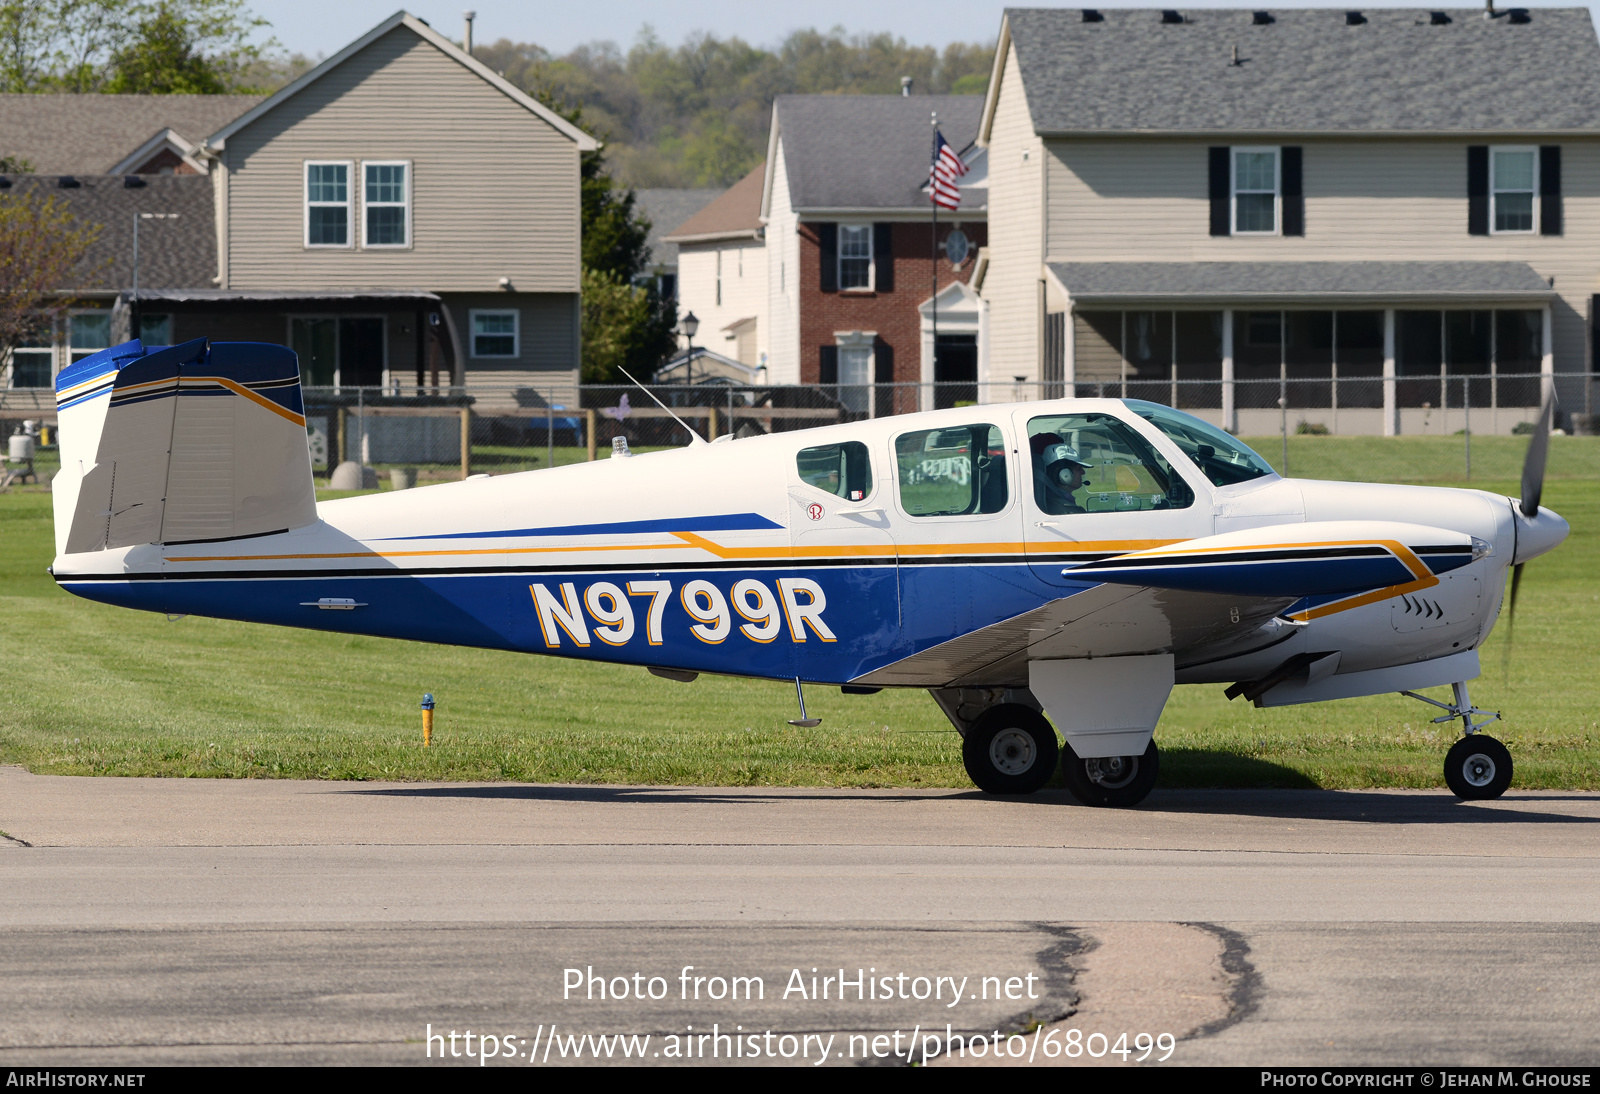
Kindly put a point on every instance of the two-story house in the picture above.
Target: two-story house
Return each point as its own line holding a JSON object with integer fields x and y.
{"x": 400, "y": 215}
{"x": 722, "y": 272}
{"x": 854, "y": 260}
{"x": 1266, "y": 200}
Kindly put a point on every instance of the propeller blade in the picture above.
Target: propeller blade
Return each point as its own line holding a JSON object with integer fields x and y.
{"x": 1511, "y": 620}
{"x": 1533, "y": 465}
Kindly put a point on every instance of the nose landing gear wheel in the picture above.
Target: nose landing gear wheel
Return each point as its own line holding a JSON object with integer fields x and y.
{"x": 1478, "y": 768}
{"x": 1010, "y": 749}
{"x": 1117, "y": 781}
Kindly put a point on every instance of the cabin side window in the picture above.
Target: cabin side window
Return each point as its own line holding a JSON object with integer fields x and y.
{"x": 844, "y": 470}
{"x": 1094, "y": 463}
{"x": 953, "y": 471}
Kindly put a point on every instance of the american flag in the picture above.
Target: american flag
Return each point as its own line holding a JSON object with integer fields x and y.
{"x": 947, "y": 167}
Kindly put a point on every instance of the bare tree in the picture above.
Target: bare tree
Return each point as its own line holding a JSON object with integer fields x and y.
{"x": 43, "y": 253}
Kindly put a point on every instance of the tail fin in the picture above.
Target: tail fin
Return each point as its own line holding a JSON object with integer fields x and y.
{"x": 199, "y": 441}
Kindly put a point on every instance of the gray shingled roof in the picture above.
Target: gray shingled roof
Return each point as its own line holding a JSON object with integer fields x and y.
{"x": 1214, "y": 282}
{"x": 172, "y": 253}
{"x": 869, "y": 151}
{"x": 89, "y": 134}
{"x": 1307, "y": 71}
{"x": 667, "y": 209}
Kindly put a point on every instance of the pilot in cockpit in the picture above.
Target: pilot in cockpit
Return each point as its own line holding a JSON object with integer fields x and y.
{"x": 1057, "y": 472}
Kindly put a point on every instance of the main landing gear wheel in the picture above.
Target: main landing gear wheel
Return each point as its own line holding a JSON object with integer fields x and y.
{"x": 1010, "y": 749}
{"x": 1117, "y": 781}
{"x": 1478, "y": 768}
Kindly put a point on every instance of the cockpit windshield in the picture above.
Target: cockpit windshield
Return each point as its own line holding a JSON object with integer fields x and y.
{"x": 1219, "y": 456}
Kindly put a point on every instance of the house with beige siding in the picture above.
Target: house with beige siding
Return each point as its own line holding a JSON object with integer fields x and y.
{"x": 400, "y": 215}
{"x": 1226, "y": 208}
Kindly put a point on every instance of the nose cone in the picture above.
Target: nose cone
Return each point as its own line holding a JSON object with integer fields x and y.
{"x": 1539, "y": 533}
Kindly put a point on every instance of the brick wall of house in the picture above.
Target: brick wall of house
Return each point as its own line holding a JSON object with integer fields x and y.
{"x": 892, "y": 314}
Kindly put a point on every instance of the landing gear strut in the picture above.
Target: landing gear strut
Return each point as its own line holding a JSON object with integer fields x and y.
{"x": 1477, "y": 767}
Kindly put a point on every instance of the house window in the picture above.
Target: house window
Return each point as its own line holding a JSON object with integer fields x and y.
{"x": 855, "y": 257}
{"x": 855, "y": 377}
{"x": 386, "y": 204}
{"x": 155, "y": 330}
{"x": 1255, "y": 191}
{"x": 327, "y": 204}
{"x": 88, "y": 332}
{"x": 31, "y": 362}
{"x": 494, "y": 333}
{"x": 1513, "y": 179}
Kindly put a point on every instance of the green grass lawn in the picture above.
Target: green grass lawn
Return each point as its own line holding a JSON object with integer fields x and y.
{"x": 100, "y": 690}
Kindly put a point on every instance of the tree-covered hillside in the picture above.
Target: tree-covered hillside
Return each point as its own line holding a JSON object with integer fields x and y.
{"x": 696, "y": 114}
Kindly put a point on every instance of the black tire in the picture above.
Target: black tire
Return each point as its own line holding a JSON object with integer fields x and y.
{"x": 1010, "y": 749}
{"x": 1478, "y": 768}
{"x": 1117, "y": 782}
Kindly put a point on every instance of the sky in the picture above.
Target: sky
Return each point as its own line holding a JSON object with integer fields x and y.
{"x": 317, "y": 27}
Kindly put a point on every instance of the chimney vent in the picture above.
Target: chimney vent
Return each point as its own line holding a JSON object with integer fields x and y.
{"x": 1090, "y": 15}
{"x": 466, "y": 39}
{"x": 905, "y": 85}
{"x": 1354, "y": 18}
{"x": 1260, "y": 18}
{"x": 1438, "y": 19}
{"x": 1170, "y": 16}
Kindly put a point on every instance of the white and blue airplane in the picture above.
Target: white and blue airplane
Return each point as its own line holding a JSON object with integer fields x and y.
{"x": 1038, "y": 567}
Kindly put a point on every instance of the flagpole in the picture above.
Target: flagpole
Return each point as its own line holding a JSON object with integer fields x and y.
{"x": 933, "y": 248}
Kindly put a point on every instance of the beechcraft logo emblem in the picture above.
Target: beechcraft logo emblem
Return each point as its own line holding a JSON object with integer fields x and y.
{"x": 814, "y": 511}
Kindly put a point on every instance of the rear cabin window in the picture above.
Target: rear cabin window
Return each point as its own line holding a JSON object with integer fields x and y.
{"x": 950, "y": 472}
{"x": 844, "y": 469}
{"x": 1094, "y": 463}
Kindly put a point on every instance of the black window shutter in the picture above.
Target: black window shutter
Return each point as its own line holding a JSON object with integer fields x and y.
{"x": 828, "y": 236}
{"x": 828, "y": 372}
{"x": 1550, "y": 189}
{"x": 882, "y": 363}
{"x": 1294, "y": 195}
{"x": 883, "y": 256}
{"x": 1221, "y": 221}
{"x": 1478, "y": 189}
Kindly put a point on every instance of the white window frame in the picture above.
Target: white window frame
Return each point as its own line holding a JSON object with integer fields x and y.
{"x": 872, "y": 268}
{"x": 472, "y": 333}
{"x": 1494, "y": 191}
{"x": 365, "y": 205}
{"x": 1277, "y": 189}
{"x": 349, "y": 204}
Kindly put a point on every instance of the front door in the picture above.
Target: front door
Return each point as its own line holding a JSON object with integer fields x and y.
{"x": 1096, "y": 486}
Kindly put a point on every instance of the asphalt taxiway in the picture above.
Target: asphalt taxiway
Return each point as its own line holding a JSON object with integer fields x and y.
{"x": 156, "y": 921}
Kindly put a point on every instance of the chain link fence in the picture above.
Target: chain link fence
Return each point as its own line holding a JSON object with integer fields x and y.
{"x": 1434, "y": 428}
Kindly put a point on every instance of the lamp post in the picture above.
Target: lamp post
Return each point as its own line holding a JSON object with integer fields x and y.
{"x": 688, "y": 325}
{"x": 137, "y": 217}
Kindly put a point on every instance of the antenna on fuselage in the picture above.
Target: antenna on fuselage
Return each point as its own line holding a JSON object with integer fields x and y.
{"x": 696, "y": 438}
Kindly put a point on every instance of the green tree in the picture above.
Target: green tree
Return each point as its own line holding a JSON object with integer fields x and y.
{"x": 625, "y": 323}
{"x": 42, "y": 247}
{"x": 128, "y": 45}
{"x": 162, "y": 60}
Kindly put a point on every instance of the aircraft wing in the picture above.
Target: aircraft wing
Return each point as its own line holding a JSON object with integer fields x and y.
{"x": 1216, "y": 593}
{"x": 1104, "y": 621}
